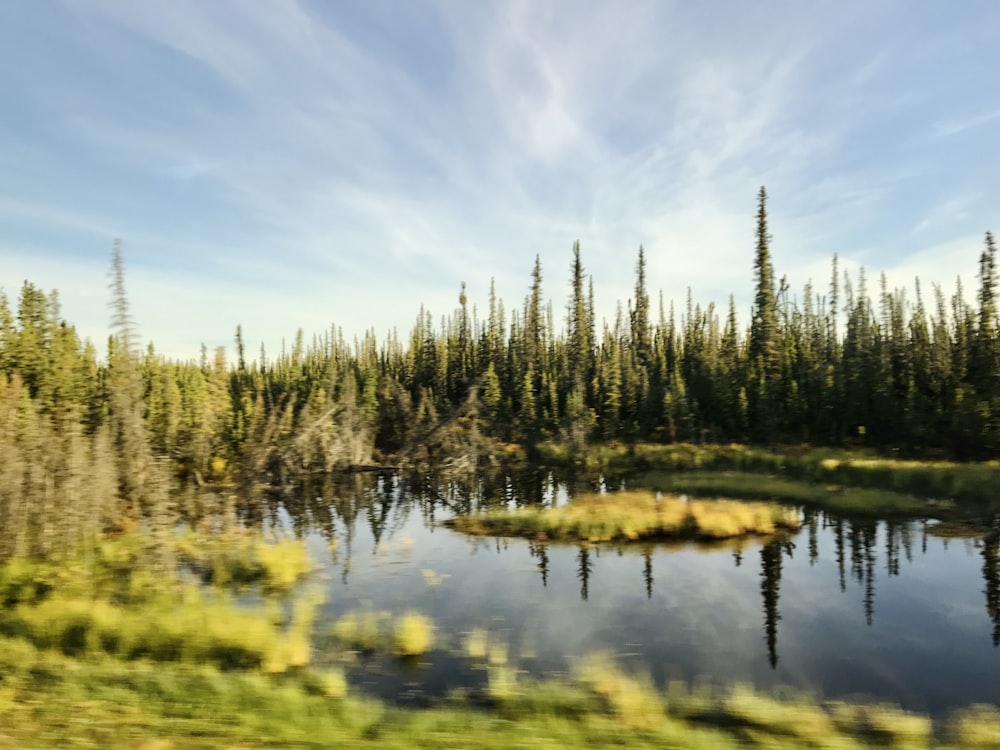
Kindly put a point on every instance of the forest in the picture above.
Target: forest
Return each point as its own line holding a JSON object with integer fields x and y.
{"x": 89, "y": 439}
{"x": 141, "y": 501}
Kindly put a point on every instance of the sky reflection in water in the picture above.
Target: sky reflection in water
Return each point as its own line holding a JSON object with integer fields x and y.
{"x": 842, "y": 608}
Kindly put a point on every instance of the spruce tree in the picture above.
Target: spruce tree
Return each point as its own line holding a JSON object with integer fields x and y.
{"x": 639, "y": 318}
{"x": 764, "y": 347}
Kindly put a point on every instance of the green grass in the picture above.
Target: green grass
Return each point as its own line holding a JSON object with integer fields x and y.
{"x": 943, "y": 480}
{"x": 241, "y": 558}
{"x": 631, "y": 516}
{"x": 852, "y": 500}
{"x": 410, "y": 634}
{"x": 114, "y": 603}
{"x": 50, "y": 700}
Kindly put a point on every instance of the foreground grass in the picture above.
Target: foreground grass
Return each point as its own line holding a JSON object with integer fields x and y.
{"x": 113, "y": 601}
{"x": 630, "y": 516}
{"x": 109, "y": 652}
{"x": 974, "y": 483}
{"x": 50, "y": 700}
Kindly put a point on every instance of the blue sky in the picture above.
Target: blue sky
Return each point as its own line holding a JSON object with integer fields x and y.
{"x": 287, "y": 164}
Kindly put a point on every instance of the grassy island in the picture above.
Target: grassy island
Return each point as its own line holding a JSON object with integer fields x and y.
{"x": 633, "y": 515}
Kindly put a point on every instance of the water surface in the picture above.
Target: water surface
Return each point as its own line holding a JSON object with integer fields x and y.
{"x": 844, "y": 608}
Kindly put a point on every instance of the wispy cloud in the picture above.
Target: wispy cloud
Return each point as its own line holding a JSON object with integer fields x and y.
{"x": 952, "y": 127}
{"x": 293, "y": 164}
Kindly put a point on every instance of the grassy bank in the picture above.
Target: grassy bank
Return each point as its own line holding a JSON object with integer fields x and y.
{"x": 116, "y": 601}
{"x": 631, "y": 516}
{"x": 976, "y": 483}
{"x": 50, "y": 700}
{"x": 113, "y": 651}
{"x": 849, "y": 500}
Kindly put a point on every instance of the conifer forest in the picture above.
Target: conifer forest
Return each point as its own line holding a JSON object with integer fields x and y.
{"x": 853, "y": 363}
{"x": 843, "y": 412}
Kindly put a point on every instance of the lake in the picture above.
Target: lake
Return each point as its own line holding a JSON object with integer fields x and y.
{"x": 846, "y": 607}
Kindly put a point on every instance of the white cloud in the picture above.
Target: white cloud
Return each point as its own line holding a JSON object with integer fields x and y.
{"x": 311, "y": 169}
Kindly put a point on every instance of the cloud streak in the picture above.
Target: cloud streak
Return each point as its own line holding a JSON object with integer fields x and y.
{"x": 293, "y": 164}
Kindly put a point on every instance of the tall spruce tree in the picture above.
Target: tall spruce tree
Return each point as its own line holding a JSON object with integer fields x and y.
{"x": 764, "y": 353}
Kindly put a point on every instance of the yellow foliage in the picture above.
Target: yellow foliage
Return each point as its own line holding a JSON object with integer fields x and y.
{"x": 413, "y": 634}
{"x": 284, "y": 563}
{"x": 633, "y": 700}
{"x": 364, "y": 631}
{"x": 501, "y": 682}
{"x": 334, "y": 684}
{"x": 798, "y": 719}
{"x": 217, "y": 467}
{"x": 635, "y": 514}
{"x": 475, "y": 644}
{"x": 977, "y": 727}
{"x": 497, "y": 656}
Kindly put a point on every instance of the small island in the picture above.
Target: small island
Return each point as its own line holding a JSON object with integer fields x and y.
{"x": 632, "y": 515}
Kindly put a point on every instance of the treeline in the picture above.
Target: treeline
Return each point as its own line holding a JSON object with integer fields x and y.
{"x": 834, "y": 367}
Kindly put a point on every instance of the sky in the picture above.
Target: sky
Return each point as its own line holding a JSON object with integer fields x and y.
{"x": 284, "y": 165}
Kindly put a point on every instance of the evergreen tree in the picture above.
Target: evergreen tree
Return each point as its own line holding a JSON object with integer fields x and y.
{"x": 764, "y": 345}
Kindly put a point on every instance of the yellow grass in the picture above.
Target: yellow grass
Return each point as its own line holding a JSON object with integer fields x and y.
{"x": 414, "y": 634}
{"x": 632, "y": 515}
{"x": 633, "y": 700}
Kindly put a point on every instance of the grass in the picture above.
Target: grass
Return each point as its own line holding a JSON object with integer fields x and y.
{"x": 851, "y": 500}
{"x": 110, "y": 653}
{"x": 973, "y": 483}
{"x": 48, "y": 699}
{"x": 630, "y": 516}
{"x": 362, "y": 631}
{"x": 411, "y": 634}
{"x": 243, "y": 558}
{"x": 112, "y": 603}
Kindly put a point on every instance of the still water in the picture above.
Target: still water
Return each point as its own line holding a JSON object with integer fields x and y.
{"x": 846, "y": 607}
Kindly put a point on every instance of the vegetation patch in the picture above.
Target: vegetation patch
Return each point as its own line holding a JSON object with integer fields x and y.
{"x": 850, "y": 500}
{"x": 49, "y": 699}
{"x": 241, "y": 558}
{"x": 114, "y": 603}
{"x": 943, "y": 481}
{"x": 633, "y": 515}
{"x": 413, "y": 634}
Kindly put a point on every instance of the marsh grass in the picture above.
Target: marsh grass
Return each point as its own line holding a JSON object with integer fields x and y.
{"x": 408, "y": 635}
{"x": 114, "y": 603}
{"x": 958, "y": 530}
{"x": 241, "y": 558}
{"x": 852, "y": 500}
{"x": 413, "y": 634}
{"x": 632, "y": 699}
{"x": 975, "y": 483}
{"x": 365, "y": 631}
{"x": 976, "y": 727}
{"x": 633, "y": 515}
{"x": 48, "y": 699}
